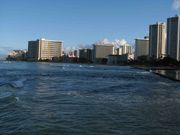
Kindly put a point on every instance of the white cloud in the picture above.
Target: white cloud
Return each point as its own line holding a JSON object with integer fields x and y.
{"x": 117, "y": 43}
{"x": 103, "y": 42}
{"x": 176, "y": 4}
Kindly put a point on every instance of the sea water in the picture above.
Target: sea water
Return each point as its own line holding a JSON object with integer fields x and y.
{"x": 77, "y": 99}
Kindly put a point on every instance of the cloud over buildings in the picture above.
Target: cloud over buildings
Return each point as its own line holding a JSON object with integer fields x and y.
{"x": 103, "y": 42}
{"x": 117, "y": 43}
{"x": 176, "y": 4}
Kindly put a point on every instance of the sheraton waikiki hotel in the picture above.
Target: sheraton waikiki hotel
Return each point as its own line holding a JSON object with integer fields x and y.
{"x": 43, "y": 49}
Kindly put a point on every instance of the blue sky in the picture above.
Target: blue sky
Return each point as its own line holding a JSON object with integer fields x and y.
{"x": 78, "y": 21}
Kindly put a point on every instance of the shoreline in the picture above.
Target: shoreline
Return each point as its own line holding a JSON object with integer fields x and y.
{"x": 156, "y": 68}
{"x": 171, "y": 73}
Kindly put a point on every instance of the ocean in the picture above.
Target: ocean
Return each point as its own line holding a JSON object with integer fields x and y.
{"x": 75, "y": 99}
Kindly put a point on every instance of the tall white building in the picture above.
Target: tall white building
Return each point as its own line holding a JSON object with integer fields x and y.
{"x": 43, "y": 49}
{"x": 141, "y": 47}
{"x": 173, "y": 37}
{"x": 157, "y": 40}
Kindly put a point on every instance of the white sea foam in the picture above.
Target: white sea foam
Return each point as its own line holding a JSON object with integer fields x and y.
{"x": 7, "y": 62}
{"x": 164, "y": 83}
{"x": 73, "y": 93}
{"x": 143, "y": 72}
{"x": 17, "y": 98}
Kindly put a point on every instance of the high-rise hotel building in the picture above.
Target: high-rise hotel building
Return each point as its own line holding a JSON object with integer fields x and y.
{"x": 157, "y": 40}
{"x": 141, "y": 47}
{"x": 173, "y": 37}
{"x": 43, "y": 49}
{"x": 102, "y": 51}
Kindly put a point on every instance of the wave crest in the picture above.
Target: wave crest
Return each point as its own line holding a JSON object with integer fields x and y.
{"x": 14, "y": 84}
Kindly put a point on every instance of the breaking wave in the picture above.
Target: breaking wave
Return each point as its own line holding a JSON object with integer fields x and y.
{"x": 13, "y": 84}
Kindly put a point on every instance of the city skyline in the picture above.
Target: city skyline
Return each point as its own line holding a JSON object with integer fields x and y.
{"x": 79, "y": 22}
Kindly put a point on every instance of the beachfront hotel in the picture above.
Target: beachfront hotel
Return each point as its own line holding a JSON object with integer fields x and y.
{"x": 102, "y": 52}
{"x": 157, "y": 41}
{"x": 173, "y": 37}
{"x": 43, "y": 49}
{"x": 141, "y": 47}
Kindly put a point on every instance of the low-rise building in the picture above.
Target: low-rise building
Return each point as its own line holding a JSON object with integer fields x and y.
{"x": 119, "y": 59}
{"x": 17, "y": 55}
{"x": 85, "y": 55}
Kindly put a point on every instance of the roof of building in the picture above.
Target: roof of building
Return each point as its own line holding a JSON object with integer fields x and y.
{"x": 50, "y": 40}
{"x": 103, "y": 44}
{"x": 145, "y": 39}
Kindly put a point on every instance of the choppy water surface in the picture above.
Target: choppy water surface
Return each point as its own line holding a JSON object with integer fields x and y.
{"x": 72, "y": 99}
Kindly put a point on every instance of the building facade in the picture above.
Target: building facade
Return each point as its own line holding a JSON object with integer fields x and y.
{"x": 126, "y": 49}
{"x": 123, "y": 49}
{"x": 157, "y": 41}
{"x": 33, "y": 49}
{"x": 141, "y": 48}
{"x": 173, "y": 37}
{"x": 76, "y": 53}
{"x": 43, "y": 49}
{"x": 17, "y": 55}
{"x": 101, "y": 52}
{"x": 85, "y": 55}
{"x": 119, "y": 59}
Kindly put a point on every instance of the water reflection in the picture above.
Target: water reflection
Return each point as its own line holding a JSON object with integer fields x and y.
{"x": 171, "y": 74}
